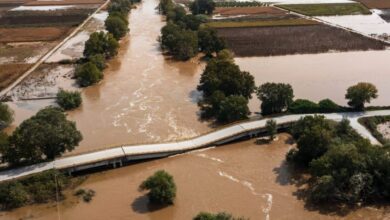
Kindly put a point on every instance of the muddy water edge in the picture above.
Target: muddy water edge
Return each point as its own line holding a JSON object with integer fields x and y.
{"x": 243, "y": 178}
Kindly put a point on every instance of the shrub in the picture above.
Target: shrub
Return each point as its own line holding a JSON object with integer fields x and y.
{"x": 68, "y": 99}
{"x": 327, "y": 105}
{"x": 271, "y": 128}
{"x": 116, "y": 26}
{"x": 6, "y": 115}
{"x": 162, "y": 188}
{"x": 98, "y": 60}
{"x": 12, "y": 195}
{"x": 88, "y": 74}
{"x": 101, "y": 43}
{"x": 303, "y": 106}
{"x": 233, "y": 108}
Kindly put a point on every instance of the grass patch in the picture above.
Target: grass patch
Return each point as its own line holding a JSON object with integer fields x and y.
{"x": 259, "y": 23}
{"x": 371, "y": 123}
{"x": 328, "y": 9}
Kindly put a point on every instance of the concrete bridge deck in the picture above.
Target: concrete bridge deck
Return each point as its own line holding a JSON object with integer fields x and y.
{"x": 118, "y": 155}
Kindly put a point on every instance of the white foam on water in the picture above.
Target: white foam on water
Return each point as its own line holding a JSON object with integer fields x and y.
{"x": 210, "y": 158}
{"x": 42, "y": 8}
{"x": 267, "y": 209}
{"x": 101, "y": 16}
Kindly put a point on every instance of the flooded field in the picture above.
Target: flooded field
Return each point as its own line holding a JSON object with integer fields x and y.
{"x": 146, "y": 97}
{"x": 243, "y": 178}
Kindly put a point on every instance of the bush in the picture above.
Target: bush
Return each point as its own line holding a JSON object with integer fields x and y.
{"x": 233, "y": 108}
{"x": 162, "y": 188}
{"x": 68, "y": 99}
{"x": 116, "y": 26}
{"x": 303, "y": 106}
{"x": 101, "y": 43}
{"x": 46, "y": 135}
{"x": 87, "y": 195}
{"x": 98, "y": 60}
{"x": 88, "y": 74}
{"x": 38, "y": 188}
{"x": 202, "y": 7}
{"x": 327, "y": 105}
{"x": 6, "y": 115}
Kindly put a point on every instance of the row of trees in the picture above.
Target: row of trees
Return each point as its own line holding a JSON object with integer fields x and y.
{"x": 102, "y": 46}
{"x": 226, "y": 90}
{"x": 345, "y": 167}
{"x": 183, "y": 36}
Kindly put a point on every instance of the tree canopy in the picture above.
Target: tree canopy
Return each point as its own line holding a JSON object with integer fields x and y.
{"x": 202, "y": 7}
{"x": 68, "y": 99}
{"x": 360, "y": 94}
{"x": 88, "y": 74}
{"x": 162, "y": 188}
{"x": 233, "y": 108}
{"x": 275, "y": 97}
{"x": 116, "y": 26}
{"x": 46, "y": 135}
{"x": 209, "y": 42}
{"x": 101, "y": 43}
{"x": 6, "y": 115}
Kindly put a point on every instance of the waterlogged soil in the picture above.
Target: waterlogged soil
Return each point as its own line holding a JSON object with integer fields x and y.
{"x": 243, "y": 178}
{"x": 24, "y": 52}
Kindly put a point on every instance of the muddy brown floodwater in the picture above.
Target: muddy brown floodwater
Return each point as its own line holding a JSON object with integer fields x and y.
{"x": 242, "y": 178}
{"x": 146, "y": 97}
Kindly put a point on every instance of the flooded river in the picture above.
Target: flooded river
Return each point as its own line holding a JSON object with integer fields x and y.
{"x": 243, "y": 178}
{"x": 145, "y": 97}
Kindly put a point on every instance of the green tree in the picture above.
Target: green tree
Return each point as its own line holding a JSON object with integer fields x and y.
{"x": 121, "y": 6}
{"x": 210, "y": 106}
{"x": 202, "y": 7}
{"x": 186, "y": 45}
{"x": 116, "y": 26}
{"x": 47, "y": 134}
{"x": 209, "y": 42}
{"x": 314, "y": 135}
{"x": 6, "y": 115}
{"x": 161, "y": 186}
{"x": 272, "y": 128}
{"x": 99, "y": 61}
{"x": 225, "y": 76}
{"x": 275, "y": 97}
{"x": 88, "y": 74}
{"x": 303, "y": 106}
{"x": 233, "y": 108}
{"x": 68, "y": 99}
{"x": 360, "y": 94}
{"x": 12, "y": 195}
{"x": 327, "y": 105}
{"x": 101, "y": 43}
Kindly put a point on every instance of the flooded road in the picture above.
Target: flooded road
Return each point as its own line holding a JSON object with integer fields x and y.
{"x": 145, "y": 97}
{"x": 243, "y": 178}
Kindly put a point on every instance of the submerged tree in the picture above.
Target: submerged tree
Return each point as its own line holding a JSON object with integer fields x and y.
{"x": 360, "y": 94}
{"x": 161, "y": 186}
{"x": 68, "y": 99}
{"x": 275, "y": 97}
{"x": 6, "y": 115}
{"x": 46, "y": 135}
{"x": 271, "y": 128}
{"x": 88, "y": 74}
{"x": 101, "y": 43}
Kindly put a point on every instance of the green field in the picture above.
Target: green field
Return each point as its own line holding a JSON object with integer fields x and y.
{"x": 259, "y": 23}
{"x": 327, "y": 9}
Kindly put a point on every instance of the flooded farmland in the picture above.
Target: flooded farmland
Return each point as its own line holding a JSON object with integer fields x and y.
{"x": 145, "y": 97}
{"x": 243, "y": 178}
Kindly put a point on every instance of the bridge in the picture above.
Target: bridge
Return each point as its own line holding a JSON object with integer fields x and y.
{"x": 123, "y": 154}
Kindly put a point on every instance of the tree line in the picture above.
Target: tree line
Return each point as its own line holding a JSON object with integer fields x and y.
{"x": 183, "y": 36}
{"x": 345, "y": 168}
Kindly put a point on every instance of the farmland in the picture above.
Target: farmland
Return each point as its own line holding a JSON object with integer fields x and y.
{"x": 327, "y": 9}
{"x": 282, "y": 40}
{"x": 65, "y": 2}
{"x": 261, "y": 23}
{"x": 379, "y": 4}
{"x": 227, "y": 11}
{"x": 29, "y": 34}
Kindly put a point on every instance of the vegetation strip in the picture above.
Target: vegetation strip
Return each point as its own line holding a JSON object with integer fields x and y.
{"x": 260, "y": 23}
{"x": 327, "y": 9}
{"x": 371, "y": 123}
